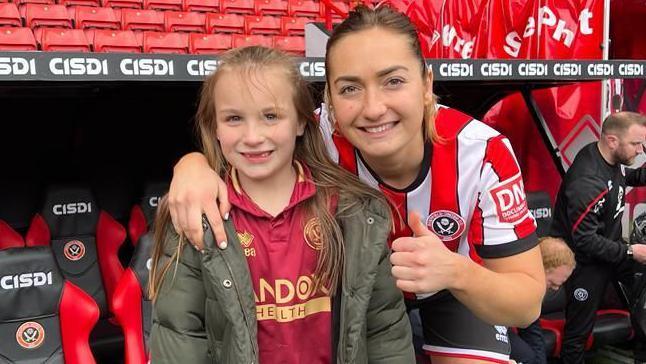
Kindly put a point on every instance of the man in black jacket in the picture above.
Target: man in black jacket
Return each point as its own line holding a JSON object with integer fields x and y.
{"x": 587, "y": 216}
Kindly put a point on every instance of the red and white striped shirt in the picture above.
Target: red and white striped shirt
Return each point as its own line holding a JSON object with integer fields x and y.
{"x": 469, "y": 191}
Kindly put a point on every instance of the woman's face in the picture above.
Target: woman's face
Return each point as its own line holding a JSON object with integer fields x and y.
{"x": 378, "y": 93}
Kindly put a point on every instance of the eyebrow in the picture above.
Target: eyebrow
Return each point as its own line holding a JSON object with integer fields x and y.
{"x": 380, "y": 74}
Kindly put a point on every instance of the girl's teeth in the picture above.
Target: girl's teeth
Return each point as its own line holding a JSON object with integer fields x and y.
{"x": 379, "y": 129}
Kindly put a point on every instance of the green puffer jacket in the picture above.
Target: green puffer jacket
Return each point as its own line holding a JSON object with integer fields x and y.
{"x": 205, "y": 311}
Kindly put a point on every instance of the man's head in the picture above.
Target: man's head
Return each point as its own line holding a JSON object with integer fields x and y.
{"x": 558, "y": 261}
{"x": 623, "y": 135}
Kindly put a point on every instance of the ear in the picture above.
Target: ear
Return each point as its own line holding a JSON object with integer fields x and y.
{"x": 612, "y": 141}
{"x": 428, "y": 87}
{"x": 300, "y": 128}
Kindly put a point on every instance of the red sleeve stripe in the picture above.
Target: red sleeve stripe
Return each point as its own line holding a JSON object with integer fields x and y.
{"x": 499, "y": 156}
{"x": 578, "y": 221}
{"x": 525, "y": 228}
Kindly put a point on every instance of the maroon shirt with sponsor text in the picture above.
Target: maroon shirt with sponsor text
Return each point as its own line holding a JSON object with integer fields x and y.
{"x": 294, "y": 322}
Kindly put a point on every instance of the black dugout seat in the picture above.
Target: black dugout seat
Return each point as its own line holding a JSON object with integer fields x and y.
{"x": 84, "y": 239}
{"x": 143, "y": 214}
{"x": 44, "y": 318}
{"x": 131, "y": 305}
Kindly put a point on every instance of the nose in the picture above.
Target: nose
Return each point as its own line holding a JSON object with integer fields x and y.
{"x": 374, "y": 106}
{"x": 254, "y": 133}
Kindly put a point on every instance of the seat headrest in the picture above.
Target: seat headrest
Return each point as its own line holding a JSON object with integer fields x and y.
{"x": 30, "y": 283}
{"x": 153, "y": 193}
{"x": 70, "y": 211}
{"x": 540, "y": 206}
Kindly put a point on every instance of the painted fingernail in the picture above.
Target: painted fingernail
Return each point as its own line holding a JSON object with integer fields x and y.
{"x": 222, "y": 245}
{"x": 226, "y": 216}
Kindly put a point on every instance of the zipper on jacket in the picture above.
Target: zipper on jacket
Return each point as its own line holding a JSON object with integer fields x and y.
{"x": 244, "y": 313}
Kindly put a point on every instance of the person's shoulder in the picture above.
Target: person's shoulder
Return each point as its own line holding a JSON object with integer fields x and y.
{"x": 452, "y": 123}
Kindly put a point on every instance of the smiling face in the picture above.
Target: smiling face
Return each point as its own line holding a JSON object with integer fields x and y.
{"x": 378, "y": 93}
{"x": 256, "y": 122}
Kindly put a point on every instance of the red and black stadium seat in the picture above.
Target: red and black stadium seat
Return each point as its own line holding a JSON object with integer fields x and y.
{"x": 85, "y": 241}
{"x": 49, "y": 319}
{"x": 130, "y": 303}
{"x": 142, "y": 214}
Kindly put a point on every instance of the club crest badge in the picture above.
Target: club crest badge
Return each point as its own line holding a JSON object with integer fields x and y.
{"x": 447, "y": 225}
{"x": 74, "y": 250}
{"x": 30, "y": 335}
{"x": 312, "y": 234}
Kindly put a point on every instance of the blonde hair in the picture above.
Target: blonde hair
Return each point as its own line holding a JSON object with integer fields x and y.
{"x": 387, "y": 18}
{"x": 555, "y": 253}
{"x": 310, "y": 150}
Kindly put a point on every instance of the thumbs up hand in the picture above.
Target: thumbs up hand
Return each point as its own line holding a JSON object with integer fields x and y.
{"x": 422, "y": 263}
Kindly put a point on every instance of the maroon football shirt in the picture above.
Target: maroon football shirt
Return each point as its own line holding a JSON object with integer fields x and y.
{"x": 294, "y": 322}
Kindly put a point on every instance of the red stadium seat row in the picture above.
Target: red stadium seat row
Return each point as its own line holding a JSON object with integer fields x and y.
{"x": 83, "y": 17}
{"x": 106, "y": 40}
{"x": 296, "y": 8}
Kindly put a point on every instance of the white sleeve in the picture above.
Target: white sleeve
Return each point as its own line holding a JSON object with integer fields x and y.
{"x": 507, "y": 225}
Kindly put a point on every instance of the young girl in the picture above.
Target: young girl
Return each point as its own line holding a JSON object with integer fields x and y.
{"x": 468, "y": 235}
{"x": 306, "y": 278}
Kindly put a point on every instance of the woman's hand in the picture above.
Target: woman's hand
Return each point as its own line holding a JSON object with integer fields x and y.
{"x": 422, "y": 263}
{"x": 195, "y": 190}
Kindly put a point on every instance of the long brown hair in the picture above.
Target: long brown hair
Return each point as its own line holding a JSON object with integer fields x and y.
{"x": 310, "y": 150}
{"x": 387, "y": 18}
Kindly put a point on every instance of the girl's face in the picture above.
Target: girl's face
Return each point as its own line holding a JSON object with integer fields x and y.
{"x": 257, "y": 122}
{"x": 378, "y": 93}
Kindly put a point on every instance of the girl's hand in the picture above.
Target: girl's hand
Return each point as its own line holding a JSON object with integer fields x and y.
{"x": 195, "y": 190}
{"x": 423, "y": 264}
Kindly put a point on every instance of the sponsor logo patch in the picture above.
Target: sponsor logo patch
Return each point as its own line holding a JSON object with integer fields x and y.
{"x": 447, "y": 225}
{"x": 510, "y": 200}
{"x": 30, "y": 335}
{"x": 580, "y": 294}
{"x": 74, "y": 250}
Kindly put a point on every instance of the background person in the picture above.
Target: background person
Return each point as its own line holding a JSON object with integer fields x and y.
{"x": 587, "y": 215}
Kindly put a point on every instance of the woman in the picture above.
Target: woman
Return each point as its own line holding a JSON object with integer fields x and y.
{"x": 475, "y": 246}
